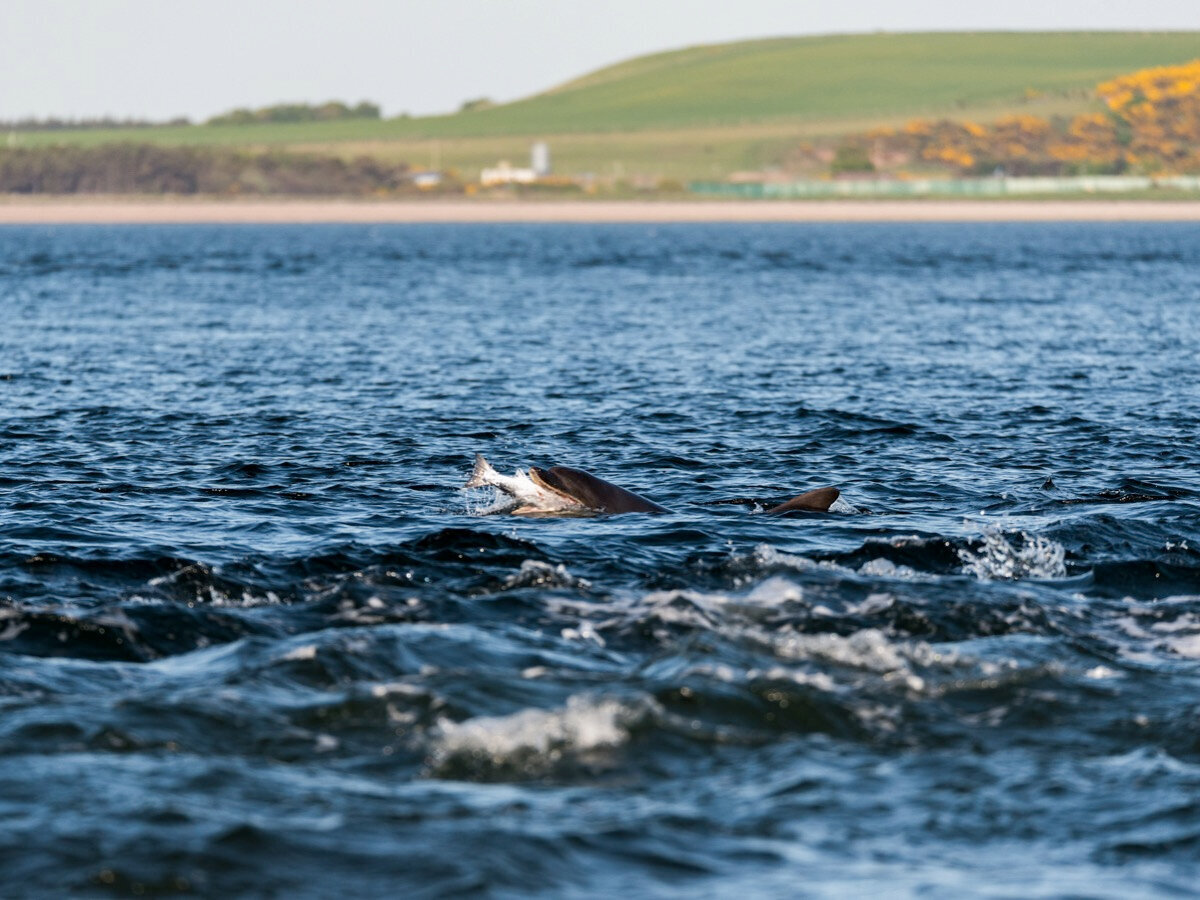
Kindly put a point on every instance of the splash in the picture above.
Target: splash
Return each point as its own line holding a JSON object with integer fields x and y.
{"x": 485, "y": 501}
{"x": 1003, "y": 557}
{"x": 841, "y": 505}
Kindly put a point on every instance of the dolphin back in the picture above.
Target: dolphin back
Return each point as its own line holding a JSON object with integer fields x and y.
{"x": 596, "y": 493}
{"x": 818, "y": 500}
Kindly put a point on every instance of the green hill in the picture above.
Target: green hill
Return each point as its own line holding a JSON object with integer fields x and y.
{"x": 833, "y": 77}
{"x": 727, "y": 106}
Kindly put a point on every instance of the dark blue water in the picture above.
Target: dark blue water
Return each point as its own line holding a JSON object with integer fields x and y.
{"x": 255, "y": 641}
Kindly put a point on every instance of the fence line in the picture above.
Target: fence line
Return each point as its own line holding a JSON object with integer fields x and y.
{"x": 964, "y": 187}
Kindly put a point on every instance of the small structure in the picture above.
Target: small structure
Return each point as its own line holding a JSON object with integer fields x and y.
{"x": 539, "y": 159}
{"x": 426, "y": 181}
{"x": 504, "y": 173}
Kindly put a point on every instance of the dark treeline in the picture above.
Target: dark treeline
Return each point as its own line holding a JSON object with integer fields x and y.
{"x": 297, "y": 112}
{"x": 53, "y": 124}
{"x": 282, "y": 112}
{"x": 150, "y": 169}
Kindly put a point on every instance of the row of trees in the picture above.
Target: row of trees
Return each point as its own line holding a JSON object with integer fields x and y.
{"x": 298, "y": 112}
{"x": 150, "y": 169}
{"x": 56, "y": 124}
{"x": 282, "y": 112}
{"x": 1149, "y": 122}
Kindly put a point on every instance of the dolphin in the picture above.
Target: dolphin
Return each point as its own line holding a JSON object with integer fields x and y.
{"x": 561, "y": 490}
{"x": 592, "y": 492}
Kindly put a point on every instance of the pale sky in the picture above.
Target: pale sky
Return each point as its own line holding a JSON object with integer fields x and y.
{"x": 162, "y": 58}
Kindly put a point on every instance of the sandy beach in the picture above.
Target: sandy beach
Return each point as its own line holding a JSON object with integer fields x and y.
{"x": 102, "y": 210}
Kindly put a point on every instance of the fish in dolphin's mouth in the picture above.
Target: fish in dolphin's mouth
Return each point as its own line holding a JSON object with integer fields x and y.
{"x": 551, "y": 482}
{"x": 530, "y": 496}
{"x": 562, "y": 490}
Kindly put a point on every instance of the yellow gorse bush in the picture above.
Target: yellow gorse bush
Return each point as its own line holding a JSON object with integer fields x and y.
{"x": 1149, "y": 121}
{"x": 1150, "y": 84}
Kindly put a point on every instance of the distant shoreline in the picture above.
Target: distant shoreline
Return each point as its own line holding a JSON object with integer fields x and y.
{"x": 112, "y": 211}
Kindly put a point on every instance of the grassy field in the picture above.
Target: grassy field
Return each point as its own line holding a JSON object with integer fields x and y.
{"x": 837, "y": 77}
{"x": 704, "y": 111}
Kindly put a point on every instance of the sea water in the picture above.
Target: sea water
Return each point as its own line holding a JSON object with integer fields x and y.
{"x": 255, "y": 640}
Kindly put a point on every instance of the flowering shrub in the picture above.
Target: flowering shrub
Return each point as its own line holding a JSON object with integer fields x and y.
{"x": 1149, "y": 122}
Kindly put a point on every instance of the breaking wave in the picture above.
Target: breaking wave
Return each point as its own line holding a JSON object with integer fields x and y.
{"x": 1008, "y": 557}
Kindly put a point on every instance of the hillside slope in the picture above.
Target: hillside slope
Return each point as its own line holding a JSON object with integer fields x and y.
{"x": 820, "y": 81}
{"x": 832, "y": 77}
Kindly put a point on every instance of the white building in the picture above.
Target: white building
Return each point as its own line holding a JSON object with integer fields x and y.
{"x": 426, "y": 181}
{"x": 506, "y": 174}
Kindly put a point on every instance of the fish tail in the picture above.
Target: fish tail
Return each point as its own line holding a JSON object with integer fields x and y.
{"x": 481, "y": 473}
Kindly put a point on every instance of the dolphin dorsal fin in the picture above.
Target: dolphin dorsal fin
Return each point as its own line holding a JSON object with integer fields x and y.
{"x": 818, "y": 500}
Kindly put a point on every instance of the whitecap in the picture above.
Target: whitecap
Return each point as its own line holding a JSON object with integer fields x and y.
{"x": 535, "y": 573}
{"x": 868, "y": 649}
{"x": 586, "y": 632}
{"x": 881, "y": 567}
{"x": 1004, "y": 557}
{"x": 533, "y": 740}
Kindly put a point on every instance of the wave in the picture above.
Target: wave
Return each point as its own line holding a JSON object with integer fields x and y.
{"x": 132, "y": 632}
{"x": 1001, "y": 557}
{"x": 145, "y": 607}
{"x": 535, "y": 743}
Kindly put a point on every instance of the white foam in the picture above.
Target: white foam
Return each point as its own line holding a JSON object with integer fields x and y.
{"x": 584, "y": 724}
{"x": 692, "y": 608}
{"x": 535, "y": 573}
{"x": 764, "y": 556}
{"x": 396, "y": 688}
{"x": 688, "y": 607}
{"x": 821, "y": 681}
{"x": 585, "y": 632}
{"x": 774, "y": 592}
{"x": 1187, "y": 645}
{"x": 172, "y": 577}
{"x": 903, "y": 662}
{"x": 875, "y": 603}
{"x": 767, "y": 556}
{"x": 999, "y": 558}
{"x": 881, "y": 567}
{"x": 868, "y": 649}
{"x": 1166, "y": 625}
